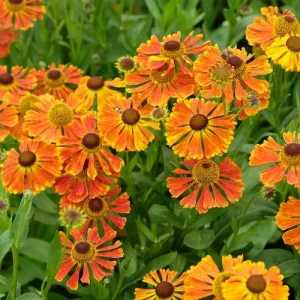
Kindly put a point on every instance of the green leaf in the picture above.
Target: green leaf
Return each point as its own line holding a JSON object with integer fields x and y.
{"x": 199, "y": 239}
{"x": 289, "y": 268}
{"x": 43, "y": 202}
{"x": 234, "y": 224}
{"x": 29, "y": 296}
{"x": 178, "y": 264}
{"x": 54, "y": 255}
{"x": 146, "y": 231}
{"x": 6, "y": 241}
{"x": 153, "y": 9}
{"x": 36, "y": 249}
{"x": 4, "y": 281}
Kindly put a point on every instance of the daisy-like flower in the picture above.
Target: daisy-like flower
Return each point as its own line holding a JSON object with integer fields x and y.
{"x": 35, "y": 167}
{"x": 71, "y": 216}
{"x": 77, "y": 188}
{"x": 171, "y": 49}
{"x": 205, "y": 279}
{"x": 273, "y": 24}
{"x": 88, "y": 254}
{"x": 125, "y": 124}
{"x": 251, "y": 280}
{"x": 198, "y": 128}
{"x": 21, "y": 105}
{"x": 285, "y": 51}
{"x": 20, "y": 14}
{"x": 158, "y": 86}
{"x": 7, "y": 36}
{"x": 126, "y": 64}
{"x": 85, "y": 145}
{"x": 167, "y": 285}
{"x": 286, "y": 159}
{"x": 17, "y": 82}
{"x": 159, "y": 113}
{"x": 96, "y": 86}
{"x": 50, "y": 118}
{"x": 252, "y": 104}
{"x": 288, "y": 217}
{"x": 213, "y": 184}
{"x": 56, "y": 80}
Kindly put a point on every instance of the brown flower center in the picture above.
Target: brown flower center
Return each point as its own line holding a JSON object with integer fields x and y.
{"x": 15, "y": 1}
{"x": 256, "y": 284}
{"x": 95, "y": 205}
{"x": 27, "y": 159}
{"x": 290, "y": 155}
{"x": 206, "y": 172}
{"x": 286, "y": 25}
{"x": 95, "y": 83}
{"x": 289, "y": 19}
{"x": 91, "y": 140}
{"x": 235, "y": 61}
{"x": 198, "y": 122}
{"x": 126, "y": 64}
{"x": 172, "y": 45}
{"x": 95, "y": 208}
{"x": 54, "y": 74}
{"x": 253, "y": 100}
{"x": 6, "y": 79}
{"x": 82, "y": 247}
{"x": 130, "y": 116}
{"x": 293, "y": 43}
{"x": 164, "y": 289}
{"x": 83, "y": 252}
{"x": 292, "y": 149}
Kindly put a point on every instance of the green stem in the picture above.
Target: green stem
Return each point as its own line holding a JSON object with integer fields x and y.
{"x": 13, "y": 287}
{"x": 121, "y": 279}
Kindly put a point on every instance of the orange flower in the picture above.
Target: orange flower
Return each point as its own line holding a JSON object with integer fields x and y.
{"x": 89, "y": 87}
{"x": 7, "y": 36}
{"x": 16, "y": 82}
{"x": 21, "y": 14}
{"x": 125, "y": 124}
{"x": 205, "y": 279}
{"x": 77, "y": 188}
{"x": 160, "y": 85}
{"x": 56, "y": 79}
{"x": 86, "y": 144}
{"x": 286, "y": 159}
{"x": 210, "y": 183}
{"x": 197, "y": 129}
{"x": 251, "y": 280}
{"x": 21, "y": 105}
{"x": 263, "y": 31}
{"x": 253, "y": 104}
{"x": 35, "y": 167}
{"x": 8, "y": 118}
{"x": 288, "y": 217}
{"x": 50, "y": 118}
{"x": 89, "y": 254}
{"x": 155, "y": 53}
{"x": 167, "y": 285}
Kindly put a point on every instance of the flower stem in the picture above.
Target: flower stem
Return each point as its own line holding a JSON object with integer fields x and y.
{"x": 121, "y": 279}
{"x": 13, "y": 287}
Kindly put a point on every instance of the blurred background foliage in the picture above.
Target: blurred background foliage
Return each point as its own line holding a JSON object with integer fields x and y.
{"x": 92, "y": 34}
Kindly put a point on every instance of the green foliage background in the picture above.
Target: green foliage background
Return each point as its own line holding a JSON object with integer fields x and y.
{"x": 159, "y": 232}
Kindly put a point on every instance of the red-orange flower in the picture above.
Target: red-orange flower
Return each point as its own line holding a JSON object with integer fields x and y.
{"x": 288, "y": 217}
{"x": 264, "y": 30}
{"x": 56, "y": 80}
{"x": 125, "y": 124}
{"x": 197, "y": 129}
{"x": 158, "y": 86}
{"x": 89, "y": 87}
{"x": 50, "y": 118}
{"x": 213, "y": 184}
{"x": 21, "y": 14}
{"x": 155, "y": 53}
{"x": 17, "y": 82}
{"x": 35, "y": 167}
{"x": 7, "y": 36}
{"x": 86, "y": 144}
{"x": 88, "y": 254}
{"x": 286, "y": 159}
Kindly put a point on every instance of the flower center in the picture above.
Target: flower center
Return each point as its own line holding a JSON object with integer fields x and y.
{"x": 198, "y": 122}
{"x": 162, "y": 77}
{"x": 60, "y": 114}
{"x": 27, "y": 159}
{"x": 217, "y": 284}
{"x": 95, "y": 208}
{"x": 290, "y": 156}
{"x": 6, "y": 79}
{"x": 83, "y": 173}
{"x": 159, "y": 113}
{"x": 221, "y": 74}
{"x": 293, "y": 43}
{"x": 172, "y": 45}
{"x": 127, "y": 64}
{"x": 237, "y": 64}
{"x": 286, "y": 25}
{"x": 15, "y": 5}
{"x": 91, "y": 140}
{"x": 83, "y": 252}
{"x": 54, "y": 79}
{"x": 27, "y": 101}
{"x": 164, "y": 289}
{"x": 95, "y": 83}
{"x": 206, "y": 172}
{"x": 130, "y": 116}
{"x": 253, "y": 100}
{"x": 256, "y": 284}
{"x": 172, "y": 49}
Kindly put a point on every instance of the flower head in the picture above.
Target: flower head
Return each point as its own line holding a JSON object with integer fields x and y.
{"x": 198, "y": 128}
{"x": 210, "y": 183}
{"x": 4, "y": 205}
{"x": 268, "y": 192}
{"x": 159, "y": 113}
{"x": 167, "y": 285}
{"x": 285, "y": 160}
{"x": 72, "y": 216}
{"x": 88, "y": 253}
{"x": 126, "y": 64}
